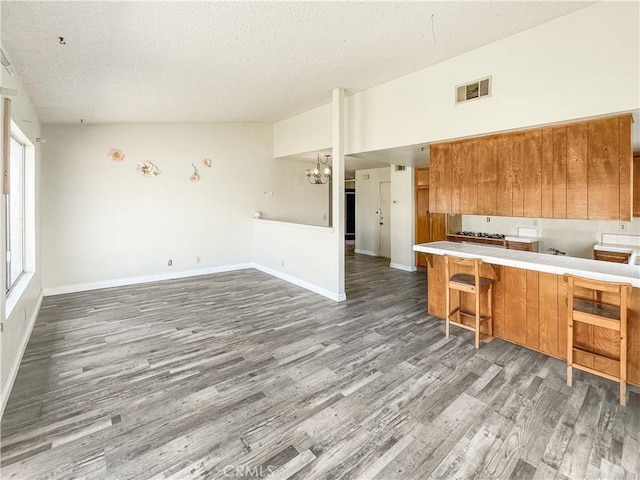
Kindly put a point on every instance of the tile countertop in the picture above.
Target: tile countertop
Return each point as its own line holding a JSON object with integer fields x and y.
{"x": 632, "y": 250}
{"x": 540, "y": 262}
{"x": 613, "y": 247}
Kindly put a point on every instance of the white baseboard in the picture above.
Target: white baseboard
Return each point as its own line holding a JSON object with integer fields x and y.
{"x": 365, "y": 252}
{"x": 13, "y": 372}
{"x": 406, "y": 268}
{"x": 302, "y": 283}
{"x": 121, "y": 282}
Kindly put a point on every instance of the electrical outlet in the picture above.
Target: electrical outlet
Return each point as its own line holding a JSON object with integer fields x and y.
{"x": 197, "y": 259}
{"x": 623, "y": 227}
{"x": 535, "y": 222}
{"x": 170, "y": 262}
{"x": 488, "y": 219}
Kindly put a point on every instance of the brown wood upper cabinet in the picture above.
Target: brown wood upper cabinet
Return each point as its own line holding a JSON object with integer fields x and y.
{"x": 580, "y": 170}
{"x": 422, "y": 177}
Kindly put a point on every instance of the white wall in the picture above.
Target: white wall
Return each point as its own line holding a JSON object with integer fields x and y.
{"x": 402, "y": 219}
{"x": 580, "y": 65}
{"x": 105, "y": 224}
{"x": 367, "y": 202}
{"x": 18, "y": 325}
{"x": 306, "y": 132}
{"x": 575, "y": 237}
{"x": 294, "y": 199}
{"x": 302, "y": 254}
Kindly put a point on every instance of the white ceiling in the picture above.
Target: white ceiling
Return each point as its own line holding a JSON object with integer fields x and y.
{"x": 158, "y": 61}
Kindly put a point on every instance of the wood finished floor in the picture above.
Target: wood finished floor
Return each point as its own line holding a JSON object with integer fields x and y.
{"x": 239, "y": 375}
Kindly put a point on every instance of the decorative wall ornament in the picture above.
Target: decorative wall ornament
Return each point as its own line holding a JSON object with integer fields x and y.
{"x": 115, "y": 155}
{"x": 207, "y": 162}
{"x": 196, "y": 175}
{"x": 147, "y": 169}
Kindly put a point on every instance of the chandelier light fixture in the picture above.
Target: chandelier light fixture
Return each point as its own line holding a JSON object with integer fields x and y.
{"x": 317, "y": 176}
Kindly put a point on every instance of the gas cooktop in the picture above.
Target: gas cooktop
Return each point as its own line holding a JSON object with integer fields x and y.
{"x": 497, "y": 236}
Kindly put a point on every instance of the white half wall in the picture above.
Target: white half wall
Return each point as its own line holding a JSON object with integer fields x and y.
{"x": 367, "y": 203}
{"x": 300, "y": 254}
{"x": 104, "y": 223}
{"x": 402, "y": 219}
{"x": 306, "y": 132}
{"x": 581, "y": 65}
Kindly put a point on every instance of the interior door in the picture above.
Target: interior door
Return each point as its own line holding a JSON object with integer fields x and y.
{"x": 384, "y": 217}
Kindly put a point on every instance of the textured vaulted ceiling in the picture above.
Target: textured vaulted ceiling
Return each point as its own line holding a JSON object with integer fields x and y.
{"x": 236, "y": 61}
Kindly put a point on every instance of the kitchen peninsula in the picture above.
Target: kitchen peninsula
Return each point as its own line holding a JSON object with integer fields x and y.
{"x": 530, "y": 299}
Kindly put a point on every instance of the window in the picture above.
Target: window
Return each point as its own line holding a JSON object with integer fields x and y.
{"x": 15, "y": 214}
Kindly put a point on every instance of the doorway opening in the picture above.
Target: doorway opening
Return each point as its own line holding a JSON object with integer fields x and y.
{"x": 350, "y": 214}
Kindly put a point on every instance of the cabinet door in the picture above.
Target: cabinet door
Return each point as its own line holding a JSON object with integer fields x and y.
{"x": 438, "y": 227}
{"x": 515, "y": 283}
{"x": 422, "y": 176}
{"x": 487, "y": 175}
{"x": 435, "y": 169}
{"x": 504, "y": 184}
{"x": 456, "y": 160}
{"x": 517, "y": 174}
{"x": 532, "y": 154}
{"x": 469, "y": 190}
{"x": 560, "y": 172}
{"x": 546, "y": 174}
{"x": 577, "y": 171}
{"x": 440, "y": 171}
{"x": 603, "y": 169}
{"x": 446, "y": 178}
{"x": 636, "y": 184}
{"x": 626, "y": 168}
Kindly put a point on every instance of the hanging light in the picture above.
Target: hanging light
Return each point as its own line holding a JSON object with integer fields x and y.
{"x": 319, "y": 176}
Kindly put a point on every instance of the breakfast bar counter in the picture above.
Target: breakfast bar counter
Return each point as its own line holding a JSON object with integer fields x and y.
{"x": 530, "y": 298}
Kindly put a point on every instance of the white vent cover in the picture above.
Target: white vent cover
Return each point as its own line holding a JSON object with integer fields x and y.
{"x": 474, "y": 90}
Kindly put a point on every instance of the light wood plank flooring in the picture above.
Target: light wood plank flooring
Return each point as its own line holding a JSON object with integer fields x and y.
{"x": 241, "y": 375}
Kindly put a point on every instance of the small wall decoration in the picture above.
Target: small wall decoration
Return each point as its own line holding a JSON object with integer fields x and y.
{"x": 196, "y": 175}
{"x": 207, "y": 162}
{"x": 147, "y": 169}
{"x": 115, "y": 155}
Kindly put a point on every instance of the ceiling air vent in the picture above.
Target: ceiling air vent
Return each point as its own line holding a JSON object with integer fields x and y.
{"x": 471, "y": 91}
